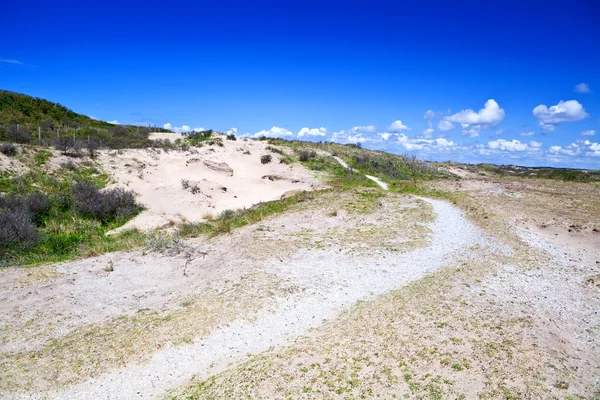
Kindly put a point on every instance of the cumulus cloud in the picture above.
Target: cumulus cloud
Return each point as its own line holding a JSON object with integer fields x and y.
{"x": 398, "y": 126}
{"x": 513, "y": 145}
{"x": 354, "y": 135}
{"x": 182, "y": 128}
{"x": 564, "y": 111}
{"x": 589, "y": 132}
{"x": 473, "y": 121}
{"x": 582, "y": 88}
{"x": 428, "y": 132}
{"x": 114, "y": 122}
{"x": 445, "y": 126}
{"x": 363, "y": 129}
{"x": 490, "y": 114}
{"x": 385, "y": 135}
{"x": 312, "y": 132}
{"x": 413, "y": 144}
{"x": 232, "y": 131}
{"x": 470, "y": 130}
{"x": 531, "y": 133}
{"x": 274, "y": 132}
{"x": 577, "y": 148}
{"x": 429, "y": 115}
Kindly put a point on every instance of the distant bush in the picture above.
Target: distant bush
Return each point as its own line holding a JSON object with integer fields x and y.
{"x": 92, "y": 148}
{"x": 231, "y": 137}
{"x": 266, "y": 159}
{"x": 305, "y": 155}
{"x": 9, "y": 150}
{"x": 107, "y": 206}
{"x": 63, "y": 144}
{"x": 194, "y": 138}
{"x": 16, "y": 228}
{"x": 18, "y": 135}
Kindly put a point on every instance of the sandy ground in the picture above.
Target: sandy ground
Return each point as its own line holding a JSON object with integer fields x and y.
{"x": 566, "y": 214}
{"x": 326, "y": 280}
{"x": 219, "y": 178}
{"x": 358, "y": 294}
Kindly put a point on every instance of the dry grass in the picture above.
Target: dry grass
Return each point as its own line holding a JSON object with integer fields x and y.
{"x": 440, "y": 337}
{"x": 92, "y": 350}
{"x": 365, "y": 221}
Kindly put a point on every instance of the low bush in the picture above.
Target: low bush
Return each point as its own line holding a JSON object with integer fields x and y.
{"x": 92, "y": 149}
{"x": 16, "y": 228}
{"x": 231, "y": 137}
{"x": 267, "y": 158}
{"x": 9, "y": 150}
{"x": 305, "y": 155}
{"x": 39, "y": 206}
{"x": 107, "y": 206}
{"x": 21, "y": 136}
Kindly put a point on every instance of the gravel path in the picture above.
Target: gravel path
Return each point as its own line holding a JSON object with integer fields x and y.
{"x": 337, "y": 281}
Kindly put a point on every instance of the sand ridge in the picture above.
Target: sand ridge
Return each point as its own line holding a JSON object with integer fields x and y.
{"x": 242, "y": 181}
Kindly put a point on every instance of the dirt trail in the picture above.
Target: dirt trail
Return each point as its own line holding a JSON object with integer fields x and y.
{"x": 378, "y": 181}
{"x": 336, "y": 282}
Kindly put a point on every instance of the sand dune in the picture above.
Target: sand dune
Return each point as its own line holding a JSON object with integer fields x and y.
{"x": 177, "y": 186}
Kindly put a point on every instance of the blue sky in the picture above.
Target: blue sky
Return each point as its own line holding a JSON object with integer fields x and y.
{"x": 344, "y": 71}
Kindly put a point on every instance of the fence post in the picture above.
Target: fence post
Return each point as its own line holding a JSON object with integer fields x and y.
{"x": 39, "y": 134}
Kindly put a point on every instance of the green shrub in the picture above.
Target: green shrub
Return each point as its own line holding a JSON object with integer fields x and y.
{"x": 115, "y": 204}
{"x": 17, "y": 229}
{"x": 9, "y": 150}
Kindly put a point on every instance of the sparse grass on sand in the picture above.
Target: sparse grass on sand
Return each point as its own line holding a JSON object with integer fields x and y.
{"x": 441, "y": 337}
{"x": 92, "y": 350}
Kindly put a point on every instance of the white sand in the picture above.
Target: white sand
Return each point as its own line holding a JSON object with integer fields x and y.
{"x": 335, "y": 282}
{"x": 157, "y": 176}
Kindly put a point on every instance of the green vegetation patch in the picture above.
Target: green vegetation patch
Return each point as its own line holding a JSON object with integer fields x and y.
{"x": 50, "y": 216}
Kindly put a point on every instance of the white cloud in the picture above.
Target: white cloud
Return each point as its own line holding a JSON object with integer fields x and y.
{"x": 425, "y": 144}
{"x": 536, "y": 145}
{"x": 428, "y": 132}
{"x": 429, "y": 115}
{"x": 564, "y": 111}
{"x": 513, "y": 145}
{"x": 357, "y": 139}
{"x": 582, "y": 88}
{"x": 385, "y": 135}
{"x": 398, "y": 126}
{"x": 589, "y": 132}
{"x": 473, "y": 122}
{"x": 10, "y": 61}
{"x": 470, "y": 130}
{"x": 363, "y": 129}
{"x": 499, "y": 132}
{"x": 182, "y": 128}
{"x": 312, "y": 132}
{"x": 531, "y": 133}
{"x": 490, "y": 114}
{"x": 274, "y": 132}
{"x": 445, "y": 126}
{"x": 232, "y": 131}
{"x": 577, "y": 148}
{"x": 114, "y": 122}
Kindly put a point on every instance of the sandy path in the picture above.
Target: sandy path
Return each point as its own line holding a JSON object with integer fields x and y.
{"x": 334, "y": 286}
{"x": 378, "y": 181}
